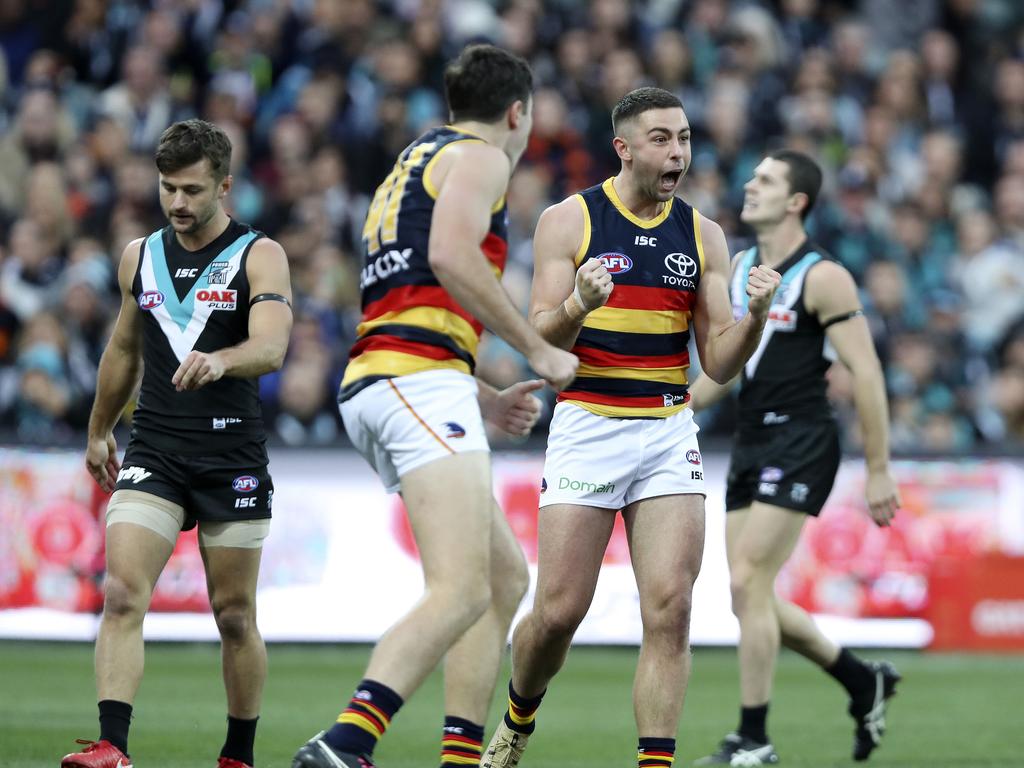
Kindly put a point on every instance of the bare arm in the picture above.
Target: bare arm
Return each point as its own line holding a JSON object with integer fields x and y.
{"x": 830, "y": 293}
{"x": 557, "y": 308}
{"x": 118, "y": 375}
{"x": 723, "y": 343}
{"x": 270, "y": 324}
{"x": 705, "y": 393}
{"x": 471, "y": 182}
{"x": 513, "y": 410}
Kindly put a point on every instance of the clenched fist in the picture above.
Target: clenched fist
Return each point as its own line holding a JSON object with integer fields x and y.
{"x": 762, "y": 282}
{"x": 593, "y": 284}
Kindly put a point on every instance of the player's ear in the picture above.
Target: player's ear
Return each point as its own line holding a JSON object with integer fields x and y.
{"x": 622, "y": 148}
{"x": 225, "y": 186}
{"x": 797, "y": 202}
{"x": 516, "y": 112}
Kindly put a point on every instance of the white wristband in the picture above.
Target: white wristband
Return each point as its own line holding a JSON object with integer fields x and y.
{"x": 574, "y": 306}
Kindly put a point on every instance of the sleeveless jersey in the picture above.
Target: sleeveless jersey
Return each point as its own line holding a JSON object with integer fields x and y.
{"x": 633, "y": 351}
{"x": 410, "y": 323}
{"x": 194, "y": 300}
{"x": 785, "y": 377}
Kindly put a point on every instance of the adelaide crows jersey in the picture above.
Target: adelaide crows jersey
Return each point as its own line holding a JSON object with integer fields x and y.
{"x": 633, "y": 351}
{"x": 410, "y": 322}
{"x": 194, "y": 300}
{"x": 785, "y": 377}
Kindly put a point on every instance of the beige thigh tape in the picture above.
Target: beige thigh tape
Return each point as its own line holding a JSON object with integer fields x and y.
{"x": 159, "y": 515}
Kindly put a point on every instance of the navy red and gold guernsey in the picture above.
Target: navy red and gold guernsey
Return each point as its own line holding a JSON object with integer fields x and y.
{"x": 633, "y": 351}
{"x": 410, "y": 322}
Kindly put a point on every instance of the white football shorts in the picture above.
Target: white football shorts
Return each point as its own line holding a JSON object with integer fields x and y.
{"x": 598, "y": 461}
{"x": 402, "y": 423}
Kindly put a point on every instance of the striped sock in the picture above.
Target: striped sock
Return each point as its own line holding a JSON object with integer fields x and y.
{"x": 462, "y": 742}
{"x": 522, "y": 712}
{"x": 655, "y": 753}
{"x": 367, "y": 717}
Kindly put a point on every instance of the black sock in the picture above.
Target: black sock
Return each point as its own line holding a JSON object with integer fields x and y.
{"x": 240, "y": 740}
{"x": 521, "y": 714}
{"x": 462, "y": 743}
{"x": 115, "y": 718}
{"x": 752, "y": 723}
{"x": 852, "y": 673}
{"x": 654, "y": 752}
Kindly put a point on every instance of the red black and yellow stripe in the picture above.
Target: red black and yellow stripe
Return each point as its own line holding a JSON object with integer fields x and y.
{"x": 459, "y": 749}
{"x": 365, "y": 716}
{"x": 410, "y": 323}
{"x": 655, "y": 759}
{"x": 633, "y": 351}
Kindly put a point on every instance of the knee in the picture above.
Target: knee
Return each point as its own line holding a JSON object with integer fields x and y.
{"x": 747, "y": 587}
{"x": 559, "y": 618}
{"x": 668, "y": 615}
{"x": 123, "y": 599}
{"x": 236, "y": 620}
{"x": 465, "y": 604}
{"x": 509, "y": 587}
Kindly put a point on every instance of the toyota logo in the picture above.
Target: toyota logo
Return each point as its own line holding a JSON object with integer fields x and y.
{"x": 681, "y": 264}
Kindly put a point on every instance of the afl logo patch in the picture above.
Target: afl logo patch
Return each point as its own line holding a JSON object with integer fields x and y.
{"x": 455, "y": 430}
{"x": 616, "y": 263}
{"x": 150, "y": 300}
{"x": 693, "y": 456}
{"x": 245, "y": 484}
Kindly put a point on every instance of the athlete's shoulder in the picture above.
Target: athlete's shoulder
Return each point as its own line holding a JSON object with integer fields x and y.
{"x": 568, "y": 214}
{"x": 563, "y": 229}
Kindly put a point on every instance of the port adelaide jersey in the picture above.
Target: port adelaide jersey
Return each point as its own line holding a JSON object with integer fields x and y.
{"x": 410, "y": 322}
{"x": 194, "y": 300}
{"x": 633, "y": 351}
{"x": 785, "y": 377}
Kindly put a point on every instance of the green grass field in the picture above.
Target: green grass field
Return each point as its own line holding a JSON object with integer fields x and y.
{"x": 951, "y": 710}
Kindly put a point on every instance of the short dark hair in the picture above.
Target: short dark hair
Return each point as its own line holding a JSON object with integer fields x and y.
{"x": 189, "y": 141}
{"x": 804, "y": 176}
{"x": 484, "y": 81}
{"x": 642, "y": 100}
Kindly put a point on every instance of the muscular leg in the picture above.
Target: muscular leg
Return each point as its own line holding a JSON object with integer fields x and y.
{"x": 231, "y": 574}
{"x": 758, "y": 542}
{"x": 135, "y": 557}
{"x": 666, "y": 542}
{"x": 450, "y": 508}
{"x": 472, "y": 664}
{"x": 800, "y": 633}
{"x": 571, "y": 545}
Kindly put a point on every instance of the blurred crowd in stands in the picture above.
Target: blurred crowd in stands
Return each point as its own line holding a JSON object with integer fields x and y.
{"x": 914, "y": 108}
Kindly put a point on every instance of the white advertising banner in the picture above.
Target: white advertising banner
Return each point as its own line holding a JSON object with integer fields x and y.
{"x": 340, "y": 564}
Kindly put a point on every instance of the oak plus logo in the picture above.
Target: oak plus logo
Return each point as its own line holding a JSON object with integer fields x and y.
{"x": 683, "y": 269}
{"x": 225, "y": 298}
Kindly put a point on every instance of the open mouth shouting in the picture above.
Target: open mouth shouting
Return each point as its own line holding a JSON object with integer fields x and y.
{"x": 670, "y": 180}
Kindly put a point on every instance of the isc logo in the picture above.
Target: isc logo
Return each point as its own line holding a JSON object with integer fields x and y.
{"x": 245, "y": 484}
{"x": 616, "y": 263}
{"x": 150, "y": 300}
{"x": 186, "y": 272}
{"x": 645, "y": 240}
